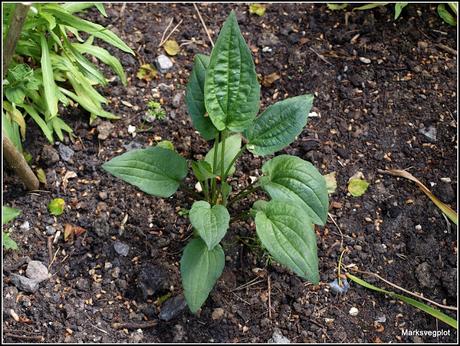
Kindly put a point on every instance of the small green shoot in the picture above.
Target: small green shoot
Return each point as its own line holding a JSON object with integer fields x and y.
{"x": 155, "y": 110}
{"x": 56, "y": 206}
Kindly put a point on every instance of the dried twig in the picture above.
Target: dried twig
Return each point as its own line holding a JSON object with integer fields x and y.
{"x": 321, "y": 56}
{"x": 341, "y": 233}
{"x": 406, "y": 291}
{"x": 39, "y": 338}
{"x": 172, "y": 31}
{"x": 446, "y": 48}
{"x": 204, "y": 24}
{"x": 269, "y": 297}
{"x": 134, "y": 325}
{"x": 164, "y": 32}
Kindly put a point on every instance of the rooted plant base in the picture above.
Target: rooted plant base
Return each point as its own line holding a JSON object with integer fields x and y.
{"x": 371, "y": 115}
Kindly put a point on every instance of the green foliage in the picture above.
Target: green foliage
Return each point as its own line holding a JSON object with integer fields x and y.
{"x": 357, "y": 187}
{"x": 443, "y": 12}
{"x": 155, "y": 110}
{"x": 156, "y": 171}
{"x": 232, "y": 99}
{"x": 223, "y": 101}
{"x": 445, "y": 15}
{"x": 200, "y": 268}
{"x": 56, "y": 206}
{"x": 9, "y": 214}
{"x": 49, "y": 68}
{"x": 286, "y": 231}
{"x": 398, "y": 8}
{"x": 279, "y": 125}
{"x": 8, "y": 243}
{"x": 211, "y": 222}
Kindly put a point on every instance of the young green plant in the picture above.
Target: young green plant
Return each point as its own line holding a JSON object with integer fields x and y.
{"x": 49, "y": 68}
{"x": 223, "y": 99}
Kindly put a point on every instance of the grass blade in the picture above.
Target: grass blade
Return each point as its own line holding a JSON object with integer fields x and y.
{"x": 415, "y": 303}
{"x": 452, "y": 215}
{"x": 104, "y": 56}
{"x": 48, "y": 80}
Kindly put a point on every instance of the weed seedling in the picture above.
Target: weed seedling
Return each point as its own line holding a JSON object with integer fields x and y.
{"x": 155, "y": 111}
{"x": 223, "y": 99}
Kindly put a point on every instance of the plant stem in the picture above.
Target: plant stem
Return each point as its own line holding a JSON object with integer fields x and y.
{"x": 17, "y": 20}
{"x": 225, "y": 175}
{"x": 206, "y": 189}
{"x": 17, "y": 162}
{"x": 242, "y": 216}
{"x": 214, "y": 170}
{"x": 243, "y": 193}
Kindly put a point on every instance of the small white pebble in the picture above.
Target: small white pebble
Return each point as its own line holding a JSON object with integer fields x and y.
{"x": 131, "y": 129}
{"x": 253, "y": 179}
{"x": 418, "y": 227}
{"x": 353, "y": 311}
{"x": 314, "y": 115}
{"x": 25, "y": 226}
{"x": 198, "y": 186}
{"x": 364, "y": 60}
{"x": 266, "y": 49}
{"x": 446, "y": 180}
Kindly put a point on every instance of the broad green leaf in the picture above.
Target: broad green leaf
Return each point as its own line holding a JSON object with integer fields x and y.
{"x": 200, "y": 269}
{"x": 89, "y": 27}
{"x": 156, "y": 171}
{"x": 445, "y": 15}
{"x": 357, "y": 186}
{"x": 202, "y": 170}
{"x": 370, "y": 6}
{"x": 289, "y": 178}
{"x": 279, "y": 125}
{"x": 398, "y": 8}
{"x": 335, "y": 7}
{"x": 232, "y": 147}
{"x": 40, "y": 122}
{"x": 48, "y": 79}
{"x": 286, "y": 231}
{"x": 211, "y": 222}
{"x": 56, "y": 206}
{"x": 8, "y": 243}
{"x": 9, "y": 214}
{"x": 104, "y": 56}
{"x": 231, "y": 89}
{"x": 15, "y": 95}
{"x": 194, "y": 98}
{"x": 415, "y": 303}
{"x": 257, "y": 8}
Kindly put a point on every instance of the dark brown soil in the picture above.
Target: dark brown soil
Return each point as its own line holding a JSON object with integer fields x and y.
{"x": 370, "y": 119}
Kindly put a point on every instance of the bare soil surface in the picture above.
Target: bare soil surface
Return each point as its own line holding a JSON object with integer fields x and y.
{"x": 382, "y": 88}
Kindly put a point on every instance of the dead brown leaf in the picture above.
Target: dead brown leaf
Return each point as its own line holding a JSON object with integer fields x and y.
{"x": 270, "y": 79}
